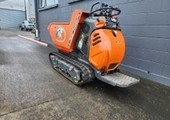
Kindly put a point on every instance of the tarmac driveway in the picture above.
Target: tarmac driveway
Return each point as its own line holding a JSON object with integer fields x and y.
{"x": 31, "y": 90}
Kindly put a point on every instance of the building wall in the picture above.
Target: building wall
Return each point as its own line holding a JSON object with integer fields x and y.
{"x": 30, "y": 8}
{"x": 11, "y": 18}
{"x": 12, "y": 4}
{"x": 146, "y": 26}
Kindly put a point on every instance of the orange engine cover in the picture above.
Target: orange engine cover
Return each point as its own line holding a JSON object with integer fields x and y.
{"x": 64, "y": 34}
{"x": 107, "y": 49}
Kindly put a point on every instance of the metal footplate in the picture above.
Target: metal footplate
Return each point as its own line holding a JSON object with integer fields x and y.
{"x": 118, "y": 79}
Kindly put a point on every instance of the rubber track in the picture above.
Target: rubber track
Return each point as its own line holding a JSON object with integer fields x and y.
{"x": 87, "y": 73}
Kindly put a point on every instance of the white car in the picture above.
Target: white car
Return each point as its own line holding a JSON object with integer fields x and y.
{"x": 26, "y": 25}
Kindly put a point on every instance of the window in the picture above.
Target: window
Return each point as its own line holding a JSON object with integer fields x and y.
{"x": 46, "y": 4}
{"x": 42, "y": 3}
{"x": 51, "y": 2}
{"x": 29, "y": 21}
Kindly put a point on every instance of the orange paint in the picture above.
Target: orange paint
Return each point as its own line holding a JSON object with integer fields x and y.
{"x": 106, "y": 46}
{"x": 106, "y": 50}
{"x": 64, "y": 34}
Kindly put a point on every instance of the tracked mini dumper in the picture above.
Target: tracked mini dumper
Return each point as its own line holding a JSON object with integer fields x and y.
{"x": 90, "y": 45}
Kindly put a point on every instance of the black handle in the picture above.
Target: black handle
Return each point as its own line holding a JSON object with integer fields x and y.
{"x": 94, "y": 5}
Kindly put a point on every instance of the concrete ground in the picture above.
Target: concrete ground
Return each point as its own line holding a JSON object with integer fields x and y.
{"x": 31, "y": 90}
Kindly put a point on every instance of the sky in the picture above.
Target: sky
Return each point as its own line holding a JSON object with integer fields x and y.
{"x": 12, "y": 4}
